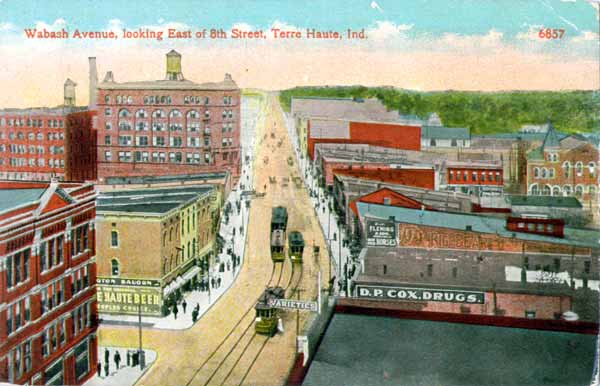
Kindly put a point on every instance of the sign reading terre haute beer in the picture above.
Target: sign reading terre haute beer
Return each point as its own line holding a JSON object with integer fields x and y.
{"x": 127, "y": 296}
{"x": 381, "y": 233}
{"x": 421, "y": 294}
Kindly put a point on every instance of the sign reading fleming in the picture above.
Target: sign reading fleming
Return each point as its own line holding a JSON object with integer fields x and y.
{"x": 421, "y": 294}
{"x": 291, "y": 304}
{"x": 381, "y": 233}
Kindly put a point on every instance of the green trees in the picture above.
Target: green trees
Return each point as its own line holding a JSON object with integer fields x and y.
{"x": 483, "y": 113}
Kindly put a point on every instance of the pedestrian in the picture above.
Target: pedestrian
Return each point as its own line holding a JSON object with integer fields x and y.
{"x": 212, "y": 282}
{"x": 117, "y": 358}
{"x": 228, "y": 266}
{"x": 197, "y": 307}
{"x": 175, "y": 310}
{"x": 106, "y": 368}
{"x": 194, "y": 316}
{"x": 99, "y": 369}
{"x": 106, "y": 355}
{"x": 128, "y": 357}
{"x": 184, "y": 305}
{"x": 219, "y": 282}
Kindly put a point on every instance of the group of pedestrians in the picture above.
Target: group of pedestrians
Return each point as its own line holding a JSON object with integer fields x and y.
{"x": 116, "y": 359}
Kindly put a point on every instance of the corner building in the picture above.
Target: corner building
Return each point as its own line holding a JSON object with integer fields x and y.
{"x": 47, "y": 283}
{"x": 168, "y": 127}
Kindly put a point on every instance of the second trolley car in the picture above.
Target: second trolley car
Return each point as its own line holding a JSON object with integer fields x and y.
{"x": 277, "y": 245}
{"x": 295, "y": 246}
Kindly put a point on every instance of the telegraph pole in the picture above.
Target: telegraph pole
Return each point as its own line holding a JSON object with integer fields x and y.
{"x": 140, "y": 352}
{"x": 298, "y": 317}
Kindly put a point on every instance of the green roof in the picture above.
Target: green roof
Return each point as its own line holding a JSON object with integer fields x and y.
{"x": 536, "y": 154}
{"x": 279, "y": 214}
{"x": 475, "y": 223}
{"x": 13, "y": 198}
{"x": 549, "y": 201}
{"x": 295, "y": 238}
{"x": 442, "y": 132}
{"x": 551, "y": 139}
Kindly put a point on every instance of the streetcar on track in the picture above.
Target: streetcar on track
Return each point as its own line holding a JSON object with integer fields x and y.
{"x": 277, "y": 245}
{"x": 279, "y": 219}
{"x": 266, "y": 314}
{"x": 295, "y": 246}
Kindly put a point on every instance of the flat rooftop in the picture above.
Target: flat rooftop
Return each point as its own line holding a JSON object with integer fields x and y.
{"x": 359, "y": 350}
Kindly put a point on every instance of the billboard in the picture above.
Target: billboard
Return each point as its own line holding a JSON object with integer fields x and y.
{"x": 126, "y": 296}
{"x": 421, "y": 294}
{"x": 381, "y": 233}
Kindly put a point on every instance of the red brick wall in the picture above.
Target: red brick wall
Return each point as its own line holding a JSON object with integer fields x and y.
{"x": 80, "y": 147}
{"x": 377, "y": 134}
{"x": 420, "y": 178}
{"x": 479, "y": 181}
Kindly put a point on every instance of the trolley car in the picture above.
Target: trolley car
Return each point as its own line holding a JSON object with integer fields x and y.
{"x": 278, "y": 227}
{"x": 266, "y": 314}
{"x": 277, "y": 245}
{"x": 296, "y": 246}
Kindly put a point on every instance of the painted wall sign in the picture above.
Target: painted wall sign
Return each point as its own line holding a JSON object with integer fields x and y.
{"x": 381, "y": 233}
{"x": 127, "y": 300}
{"x": 421, "y": 294}
{"x": 291, "y": 304}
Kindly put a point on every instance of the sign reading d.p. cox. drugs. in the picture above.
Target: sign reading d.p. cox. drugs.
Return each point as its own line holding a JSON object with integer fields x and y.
{"x": 421, "y": 294}
{"x": 381, "y": 233}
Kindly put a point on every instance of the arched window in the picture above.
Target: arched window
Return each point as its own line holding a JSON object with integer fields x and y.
{"x": 579, "y": 190}
{"x": 551, "y": 173}
{"x": 158, "y": 114}
{"x": 114, "y": 239}
{"x": 193, "y": 114}
{"x": 175, "y": 114}
{"x": 189, "y": 249}
{"x": 592, "y": 190}
{"x": 544, "y": 173}
{"x": 141, "y": 113}
{"x": 114, "y": 267}
{"x": 567, "y": 190}
{"x": 566, "y": 168}
{"x": 534, "y": 190}
{"x": 546, "y": 191}
{"x": 592, "y": 167}
{"x": 555, "y": 157}
{"x": 556, "y": 191}
{"x": 579, "y": 168}
{"x": 536, "y": 172}
{"x": 124, "y": 113}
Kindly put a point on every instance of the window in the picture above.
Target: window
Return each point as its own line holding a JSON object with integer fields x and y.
{"x": 451, "y": 176}
{"x": 107, "y": 155}
{"x": 551, "y": 173}
{"x": 530, "y": 314}
{"x": 567, "y": 190}
{"x": 114, "y": 267}
{"x": 125, "y": 140}
{"x": 579, "y": 190}
{"x": 546, "y": 191}
{"x": 159, "y": 141}
{"x": 534, "y": 190}
{"x": 107, "y": 140}
{"x": 579, "y": 168}
{"x": 142, "y": 141}
{"x": 114, "y": 239}
{"x": 432, "y": 142}
{"x": 556, "y": 191}
{"x": 107, "y": 112}
{"x": 17, "y": 268}
{"x": 82, "y": 365}
{"x": 592, "y": 190}
{"x": 429, "y": 270}
{"x": 536, "y": 172}
{"x": 384, "y": 269}
{"x": 141, "y": 114}
{"x": 176, "y": 141}
{"x": 592, "y": 168}
{"x": 54, "y": 374}
{"x": 566, "y": 168}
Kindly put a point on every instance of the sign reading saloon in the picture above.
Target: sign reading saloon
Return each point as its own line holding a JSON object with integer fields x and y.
{"x": 381, "y": 233}
{"x": 127, "y": 296}
{"x": 421, "y": 294}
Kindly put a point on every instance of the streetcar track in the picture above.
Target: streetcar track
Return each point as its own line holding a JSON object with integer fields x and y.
{"x": 232, "y": 330}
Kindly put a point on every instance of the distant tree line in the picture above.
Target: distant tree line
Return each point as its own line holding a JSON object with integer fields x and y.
{"x": 482, "y": 112}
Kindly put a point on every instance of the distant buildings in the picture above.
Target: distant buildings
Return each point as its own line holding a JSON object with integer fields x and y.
{"x": 564, "y": 167}
{"x": 48, "y": 311}
{"x": 32, "y": 140}
{"x": 445, "y": 137}
{"x": 152, "y": 242}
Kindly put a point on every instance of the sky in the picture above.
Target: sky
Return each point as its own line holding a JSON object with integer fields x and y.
{"x": 484, "y": 45}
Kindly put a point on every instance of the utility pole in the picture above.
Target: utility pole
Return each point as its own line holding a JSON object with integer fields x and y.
{"x": 140, "y": 352}
{"x": 298, "y": 317}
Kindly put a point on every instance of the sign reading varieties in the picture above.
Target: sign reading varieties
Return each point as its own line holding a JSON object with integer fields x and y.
{"x": 381, "y": 233}
{"x": 421, "y": 294}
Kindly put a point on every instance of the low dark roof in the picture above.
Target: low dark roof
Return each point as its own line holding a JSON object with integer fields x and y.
{"x": 296, "y": 238}
{"x": 549, "y": 201}
{"x": 158, "y": 179}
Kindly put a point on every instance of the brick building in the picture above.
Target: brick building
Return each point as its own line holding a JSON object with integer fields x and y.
{"x": 564, "y": 167}
{"x": 167, "y": 127}
{"x": 80, "y": 146}
{"x": 451, "y": 250}
{"x": 47, "y": 283}
{"x": 151, "y": 242}
{"x": 476, "y": 178}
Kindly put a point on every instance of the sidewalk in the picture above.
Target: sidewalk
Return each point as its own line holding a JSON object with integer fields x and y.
{"x": 230, "y": 232}
{"x": 125, "y": 375}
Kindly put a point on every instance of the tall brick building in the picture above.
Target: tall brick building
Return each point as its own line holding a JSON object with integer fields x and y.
{"x": 167, "y": 127}
{"x": 47, "y": 283}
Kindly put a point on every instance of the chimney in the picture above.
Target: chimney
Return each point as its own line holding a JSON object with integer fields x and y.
{"x": 93, "y": 82}
{"x": 174, "y": 66}
{"x": 228, "y": 77}
{"x": 69, "y": 93}
{"x": 108, "y": 77}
